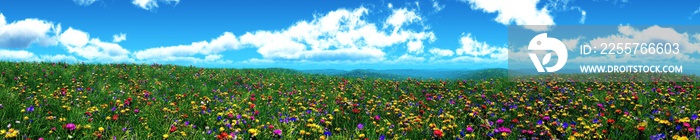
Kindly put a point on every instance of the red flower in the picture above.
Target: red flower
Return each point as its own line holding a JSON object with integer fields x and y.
{"x": 611, "y": 121}
{"x": 641, "y": 128}
{"x": 222, "y": 136}
{"x": 173, "y": 128}
{"x": 437, "y": 133}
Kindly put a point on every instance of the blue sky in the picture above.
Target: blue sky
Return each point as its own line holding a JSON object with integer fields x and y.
{"x": 335, "y": 34}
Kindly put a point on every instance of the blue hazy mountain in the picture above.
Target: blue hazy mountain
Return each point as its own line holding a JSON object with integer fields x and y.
{"x": 414, "y": 73}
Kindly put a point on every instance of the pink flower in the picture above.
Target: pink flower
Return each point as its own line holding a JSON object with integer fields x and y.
{"x": 503, "y": 129}
{"x": 376, "y": 117}
{"x": 70, "y": 126}
{"x": 277, "y": 132}
{"x": 136, "y": 110}
{"x": 499, "y": 121}
{"x": 470, "y": 129}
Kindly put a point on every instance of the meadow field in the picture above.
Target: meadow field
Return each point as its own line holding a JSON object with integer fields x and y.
{"x": 130, "y": 101}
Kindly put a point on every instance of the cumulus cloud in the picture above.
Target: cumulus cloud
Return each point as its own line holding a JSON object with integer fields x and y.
{"x": 406, "y": 58}
{"x": 79, "y": 43}
{"x": 475, "y": 48}
{"x": 441, "y": 52}
{"x": 17, "y": 55}
{"x": 226, "y": 41}
{"x": 118, "y": 37}
{"x": 520, "y": 12}
{"x": 59, "y": 58}
{"x": 340, "y": 35}
{"x": 84, "y": 2}
{"x": 2, "y": 20}
{"x": 152, "y": 4}
{"x": 21, "y": 34}
{"x": 73, "y": 37}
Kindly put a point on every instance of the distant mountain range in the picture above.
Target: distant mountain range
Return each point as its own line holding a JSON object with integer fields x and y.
{"x": 414, "y": 73}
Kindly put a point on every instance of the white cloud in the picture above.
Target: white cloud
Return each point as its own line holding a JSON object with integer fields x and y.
{"x": 73, "y": 37}
{"x": 437, "y": 6}
{"x": 441, "y": 52}
{"x": 406, "y": 58}
{"x": 583, "y": 17}
{"x": 152, "y": 4}
{"x": 21, "y": 34}
{"x": 226, "y": 41}
{"x": 17, "y": 55}
{"x": 118, "y": 37}
{"x": 402, "y": 16}
{"x": 339, "y": 35}
{"x": 59, "y": 58}
{"x": 2, "y": 20}
{"x": 213, "y": 57}
{"x": 84, "y": 2}
{"x": 79, "y": 42}
{"x": 472, "y": 47}
{"x": 415, "y": 46}
{"x": 520, "y": 12}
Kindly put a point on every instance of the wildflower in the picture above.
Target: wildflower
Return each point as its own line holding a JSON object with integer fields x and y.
{"x": 277, "y": 132}
{"x": 69, "y": 126}
{"x": 173, "y": 128}
{"x": 253, "y": 132}
{"x": 499, "y": 121}
{"x": 360, "y": 126}
{"x": 438, "y": 133}
{"x": 165, "y": 136}
{"x": 470, "y": 129}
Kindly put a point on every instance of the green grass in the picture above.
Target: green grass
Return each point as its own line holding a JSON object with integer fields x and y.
{"x": 407, "y": 109}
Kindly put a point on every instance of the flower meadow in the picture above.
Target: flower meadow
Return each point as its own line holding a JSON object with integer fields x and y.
{"x": 129, "y": 101}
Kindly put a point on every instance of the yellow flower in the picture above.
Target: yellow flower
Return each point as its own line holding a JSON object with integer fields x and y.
{"x": 102, "y": 129}
{"x": 165, "y": 136}
{"x": 362, "y": 135}
{"x": 253, "y": 131}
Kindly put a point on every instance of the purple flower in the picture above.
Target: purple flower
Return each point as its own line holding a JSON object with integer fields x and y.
{"x": 70, "y": 126}
{"x": 30, "y": 108}
{"x": 694, "y": 117}
{"x": 503, "y": 129}
{"x": 499, "y": 121}
{"x": 360, "y": 126}
{"x": 382, "y": 137}
{"x": 470, "y": 129}
{"x": 277, "y": 132}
